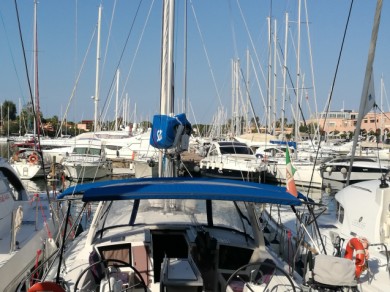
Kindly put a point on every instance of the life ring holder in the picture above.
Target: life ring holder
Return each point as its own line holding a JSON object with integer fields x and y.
{"x": 33, "y": 158}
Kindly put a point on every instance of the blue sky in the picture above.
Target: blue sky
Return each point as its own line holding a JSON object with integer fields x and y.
{"x": 218, "y": 32}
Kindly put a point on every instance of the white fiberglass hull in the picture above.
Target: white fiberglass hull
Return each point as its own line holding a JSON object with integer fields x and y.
{"x": 87, "y": 171}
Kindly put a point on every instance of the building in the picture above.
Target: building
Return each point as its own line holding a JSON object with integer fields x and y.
{"x": 344, "y": 122}
{"x": 86, "y": 125}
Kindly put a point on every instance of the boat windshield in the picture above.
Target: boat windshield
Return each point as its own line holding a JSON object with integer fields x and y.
{"x": 235, "y": 150}
{"x": 225, "y": 214}
{"x": 86, "y": 150}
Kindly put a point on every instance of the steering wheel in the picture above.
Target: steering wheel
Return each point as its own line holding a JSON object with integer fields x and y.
{"x": 115, "y": 263}
{"x": 261, "y": 273}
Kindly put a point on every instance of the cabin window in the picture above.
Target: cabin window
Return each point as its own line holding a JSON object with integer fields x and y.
{"x": 340, "y": 213}
{"x": 236, "y": 150}
{"x": 80, "y": 150}
{"x": 94, "y": 151}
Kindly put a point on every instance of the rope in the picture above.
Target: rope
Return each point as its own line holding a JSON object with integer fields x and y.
{"x": 288, "y": 250}
{"x": 39, "y": 252}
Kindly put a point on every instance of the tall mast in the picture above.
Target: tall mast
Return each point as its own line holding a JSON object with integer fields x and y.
{"x": 269, "y": 78}
{"x": 274, "y": 91}
{"x": 232, "y": 122}
{"x": 96, "y": 98}
{"x": 116, "y": 99}
{"x": 167, "y": 98}
{"x": 247, "y": 123}
{"x": 367, "y": 99}
{"x": 167, "y": 105}
{"x": 36, "y": 88}
{"x": 297, "y": 85}
{"x": 382, "y": 138}
{"x": 185, "y": 59}
{"x": 284, "y": 76}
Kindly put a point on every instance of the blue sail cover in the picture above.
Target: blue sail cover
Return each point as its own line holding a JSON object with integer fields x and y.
{"x": 164, "y": 130}
{"x": 182, "y": 188}
{"x": 289, "y": 143}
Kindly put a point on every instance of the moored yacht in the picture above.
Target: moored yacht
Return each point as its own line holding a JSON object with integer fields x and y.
{"x": 30, "y": 163}
{"x": 233, "y": 160}
{"x": 28, "y": 229}
{"x": 87, "y": 161}
{"x": 363, "y": 168}
{"x": 173, "y": 234}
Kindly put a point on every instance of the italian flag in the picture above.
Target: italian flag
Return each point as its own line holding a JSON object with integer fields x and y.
{"x": 290, "y": 170}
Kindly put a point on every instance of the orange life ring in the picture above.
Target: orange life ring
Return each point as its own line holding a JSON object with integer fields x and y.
{"x": 46, "y": 286}
{"x": 356, "y": 244}
{"x": 33, "y": 158}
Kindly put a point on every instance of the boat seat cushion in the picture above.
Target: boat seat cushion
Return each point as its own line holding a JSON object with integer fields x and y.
{"x": 333, "y": 271}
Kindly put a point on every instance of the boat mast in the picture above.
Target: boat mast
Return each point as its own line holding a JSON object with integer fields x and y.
{"x": 185, "y": 59}
{"x": 96, "y": 97}
{"x": 275, "y": 76}
{"x": 284, "y": 76}
{"x": 382, "y": 138}
{"x": 298, "y": 77}
{"x": 36, "y": 89}
{"x": 269, "y": 78}
{"x": 166, "y": 94}
{"x": 116, "y": 99}
{"x": 247, "y": 121}
{"x": 367, "y": 99}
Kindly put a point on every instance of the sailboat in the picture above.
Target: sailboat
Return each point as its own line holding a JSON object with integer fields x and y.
{"x": 170, "y": 233}
{"x": 28, "y": 229}
{"x": 354, "y": 229}
{"x": 28, "y": 160}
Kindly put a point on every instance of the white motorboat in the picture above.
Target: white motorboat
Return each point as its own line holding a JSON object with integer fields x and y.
{"x": 87, "y": 161}
{"x": 172, "y": 234}
{"x": 363, "y": 168}
{"x": 233, "y": 160}
{"x": 355, "y": 221}
{"x": 144, "y": 158}
{"x": 27, "y": 229}
{"x": 307, "y": 174}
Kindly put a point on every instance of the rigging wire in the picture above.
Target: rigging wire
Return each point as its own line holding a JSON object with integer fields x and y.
{"x": 25, "y": 60}
{"x": 255, "y": 52}
{"x": 136, "y": 52}
{"x": 206, "y": 54}
{"x": 14, "y": 66}
{"x": 121, "y": 56}
{"x": 337, "y": 68}
{"x": 76, "y": 83}
{"x": 39, "y": 150}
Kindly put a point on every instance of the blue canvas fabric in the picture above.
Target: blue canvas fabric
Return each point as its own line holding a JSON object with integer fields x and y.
{"x": 183, "y": 188}
{"x": 164, "y": 130}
